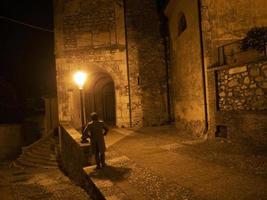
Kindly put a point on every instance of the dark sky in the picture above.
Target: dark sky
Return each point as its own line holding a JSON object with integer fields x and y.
{"x": 27, "y": 54}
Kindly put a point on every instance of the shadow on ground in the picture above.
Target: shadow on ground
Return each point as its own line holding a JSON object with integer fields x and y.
{"x": 113, "y": 173}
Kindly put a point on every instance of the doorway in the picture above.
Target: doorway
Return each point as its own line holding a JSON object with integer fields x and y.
{"x": 100, "y": 98}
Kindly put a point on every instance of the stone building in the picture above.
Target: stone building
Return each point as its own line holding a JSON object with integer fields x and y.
{"x": 119, "y": 45}
{"x": 221, "y": 89}
{"x": 194, "y": 72}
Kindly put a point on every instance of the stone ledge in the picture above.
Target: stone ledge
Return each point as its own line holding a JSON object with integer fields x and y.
{"x": 236, "y": 70}
{"x": 228, "y": 66}
{"x": 74, "y": 134}
{"x": 74, "y": 154}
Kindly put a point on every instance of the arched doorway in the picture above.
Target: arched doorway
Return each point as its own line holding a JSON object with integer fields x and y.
{"x": 100, "y": 97}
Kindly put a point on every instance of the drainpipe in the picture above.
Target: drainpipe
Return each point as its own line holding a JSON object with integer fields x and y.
{"x": 127, "y": 63}
{"x": 203, "y": 69}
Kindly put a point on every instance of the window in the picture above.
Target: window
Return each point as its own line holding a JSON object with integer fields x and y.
{"x": 182, "y": 25}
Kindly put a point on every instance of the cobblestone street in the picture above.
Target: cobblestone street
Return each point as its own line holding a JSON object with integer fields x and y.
{"x": 33, "y": 184}
{"x": 157, "y": 163}
{"x": 163, "y": 164}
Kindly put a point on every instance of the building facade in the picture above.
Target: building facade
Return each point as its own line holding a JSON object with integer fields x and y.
{"x": 225, "y": 85}
{"x": 118, "y": 44}
{"x": 196, "y": 75}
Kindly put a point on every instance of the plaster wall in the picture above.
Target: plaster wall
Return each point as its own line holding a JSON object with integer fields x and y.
{"x": 186, "y": 71}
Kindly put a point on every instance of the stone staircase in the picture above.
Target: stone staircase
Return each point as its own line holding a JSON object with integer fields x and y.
{"x": 40, "y": 154}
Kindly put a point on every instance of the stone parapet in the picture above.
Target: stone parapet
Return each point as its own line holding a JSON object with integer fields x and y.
{"x": 74, "y": 154}
{"x": 239, "y": 101}
{"x": 242, "y": 88}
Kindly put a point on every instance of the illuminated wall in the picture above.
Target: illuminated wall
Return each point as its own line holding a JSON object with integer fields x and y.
{"x": 186, "y": 70}
{"x": 91, "y": 35}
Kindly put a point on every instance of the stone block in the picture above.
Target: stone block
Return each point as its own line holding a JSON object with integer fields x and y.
{"x": 259, "y": 79}
{"x": 222, "y": 94}
{"x": 253, "y": 86}
{"x": 233, "y": 83}
{"x": 238, "y": 70}
{"x": 246, "y": 80}
{"x": 243, "y": 87}
{"x": 259, "y": 92}
{"x": 254, "y": 71}
{"x": 264, "y": 84}
{"x": 74, "y": 154}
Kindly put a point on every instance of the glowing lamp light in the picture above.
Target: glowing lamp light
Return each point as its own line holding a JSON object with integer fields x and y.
{"x": 80, "y": 78}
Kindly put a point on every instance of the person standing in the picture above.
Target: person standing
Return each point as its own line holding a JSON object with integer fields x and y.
{"x": 96, "y": 130}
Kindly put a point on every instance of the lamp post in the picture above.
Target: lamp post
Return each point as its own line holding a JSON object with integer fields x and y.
{"x": 80, "y": 78}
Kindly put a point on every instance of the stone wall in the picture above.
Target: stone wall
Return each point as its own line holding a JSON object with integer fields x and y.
{"x": 146, "y": 63}
{"x": 90, "y": 36}
{"x": 73, "y": 155}
{"x": 186, "y": 70}
{"x": 223, "y": 23}
{"x": 243, "y": 87}
{"x": 51, "y": 116}
{"x": 10, "y": 141}
{"x": 236, "y": 93}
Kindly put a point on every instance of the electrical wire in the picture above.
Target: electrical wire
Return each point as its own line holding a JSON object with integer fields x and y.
{"x": 26, "y": 24}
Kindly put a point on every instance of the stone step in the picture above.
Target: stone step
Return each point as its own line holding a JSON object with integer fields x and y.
{"x": 30, "y": 154}
{"x": 44, "y": 153}
{"x": 40, "y": 161}
{"x": 38, "y": 155}
{"x": 14, "y": 164}
{"x": 27, "y": 164}
{"x": 41, "y": 142}
{"x": 19, "y": 172}
{"x": 41, "y": 147}
{"x": 20, "y": 178}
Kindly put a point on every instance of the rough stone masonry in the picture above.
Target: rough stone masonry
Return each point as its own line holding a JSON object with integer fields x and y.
{"x": 120, "y": 41}
{"x": 243, "y": 88}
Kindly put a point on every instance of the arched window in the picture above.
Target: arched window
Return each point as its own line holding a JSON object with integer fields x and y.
{"x": 182, "y": 25}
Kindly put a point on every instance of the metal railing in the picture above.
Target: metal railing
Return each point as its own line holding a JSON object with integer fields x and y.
{"x": 232, "y": 53}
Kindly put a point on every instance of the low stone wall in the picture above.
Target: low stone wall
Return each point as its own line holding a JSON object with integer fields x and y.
{"x": 243, "y": 87}
{"x": 238, "y": 102}
{"x": 74, "y": 154}
{"x": 10, "y": 141}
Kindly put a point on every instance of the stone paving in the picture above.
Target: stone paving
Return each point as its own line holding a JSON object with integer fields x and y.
{"x": 125, "y": 179}
{"x": 154, "y": 186}
{"x": 33, "y": 184}
{"x": 152, "y": 163}
{"x": 158, "y": 163}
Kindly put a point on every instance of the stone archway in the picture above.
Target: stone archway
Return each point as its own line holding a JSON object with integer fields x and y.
{"x": 100, "y": 97}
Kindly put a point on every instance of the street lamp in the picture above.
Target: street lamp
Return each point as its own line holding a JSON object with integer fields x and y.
{"x": 80, "y": 78}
